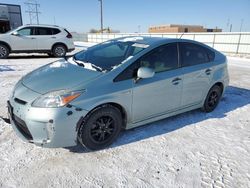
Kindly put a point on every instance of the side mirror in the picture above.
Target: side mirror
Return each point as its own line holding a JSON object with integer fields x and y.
{"x": 145, "y": 72}
{"x": 15, "y": 33}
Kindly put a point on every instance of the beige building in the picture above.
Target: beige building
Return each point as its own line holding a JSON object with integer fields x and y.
{"x": 173, "y": 28}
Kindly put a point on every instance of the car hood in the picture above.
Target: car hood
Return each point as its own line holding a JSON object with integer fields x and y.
{"x": 57, "y": 76}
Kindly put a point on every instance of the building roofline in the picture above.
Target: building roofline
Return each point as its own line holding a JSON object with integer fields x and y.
{"x": 176, "y": 25}
{"x": 6, "y": 4}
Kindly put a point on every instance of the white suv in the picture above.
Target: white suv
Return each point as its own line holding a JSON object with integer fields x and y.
{"x": 53, "y": 40}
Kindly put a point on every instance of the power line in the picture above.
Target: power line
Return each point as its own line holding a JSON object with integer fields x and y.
{"x": 33, "y": 11}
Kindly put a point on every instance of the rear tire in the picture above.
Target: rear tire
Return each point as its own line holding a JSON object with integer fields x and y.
{"x": 59, "y": 50}
{"x": 4, "y": 51}
{"x": 101, "y": 128}
{"x": 212, "y": 99}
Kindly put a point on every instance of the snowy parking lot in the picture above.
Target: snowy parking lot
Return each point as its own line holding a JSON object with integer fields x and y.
{"x": 193, "y": 149}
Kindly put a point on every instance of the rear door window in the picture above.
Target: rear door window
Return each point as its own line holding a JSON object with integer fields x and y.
{"x": 43, "y": 31}
{"x": 193, "y": 54}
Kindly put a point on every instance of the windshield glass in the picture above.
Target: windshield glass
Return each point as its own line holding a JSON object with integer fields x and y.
{"x": 109, "y": 54}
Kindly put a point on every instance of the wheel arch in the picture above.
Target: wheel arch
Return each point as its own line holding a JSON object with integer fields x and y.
{"x": 220, "y": 84}
{"x": 6, "y": 44}
{"x": 112, "y": 104}
{"x": 59, "y": 43}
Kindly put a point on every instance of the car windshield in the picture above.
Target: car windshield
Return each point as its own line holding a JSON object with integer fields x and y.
{"x": 110, "y": 54}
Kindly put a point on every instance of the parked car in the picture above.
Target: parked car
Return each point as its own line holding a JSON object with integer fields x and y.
{"x": 119, "y": 84}
{"x": 53, "y": 40}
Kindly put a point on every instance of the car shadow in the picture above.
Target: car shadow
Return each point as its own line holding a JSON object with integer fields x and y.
{"x": 233, "y": 99}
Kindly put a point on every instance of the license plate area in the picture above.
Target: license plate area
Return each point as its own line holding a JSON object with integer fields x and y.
{"x": 19, "y": 123}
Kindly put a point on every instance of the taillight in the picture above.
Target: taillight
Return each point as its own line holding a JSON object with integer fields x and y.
{"x": 68, "y": 34}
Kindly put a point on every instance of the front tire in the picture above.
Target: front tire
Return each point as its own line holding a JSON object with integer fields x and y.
{"x": 212, "y": 99}
{"x": 101, "y": 128}
{"x": 4, "y": 51}
{"x": 59, "y": 50}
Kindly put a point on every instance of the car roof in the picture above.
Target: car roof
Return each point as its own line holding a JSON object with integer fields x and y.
{"x": 41, "y": 25}
{"x": 158, "y": 40}
{"x": 151, "y": 40}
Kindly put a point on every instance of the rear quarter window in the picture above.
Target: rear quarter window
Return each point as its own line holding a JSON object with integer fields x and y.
{"x": 211, "y": 54}
{"x": 55, "y": 31}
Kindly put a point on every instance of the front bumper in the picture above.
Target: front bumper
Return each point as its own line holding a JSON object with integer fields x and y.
{"x": 46, "y": 127}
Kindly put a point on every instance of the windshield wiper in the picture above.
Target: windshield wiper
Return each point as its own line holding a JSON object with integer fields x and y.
{"x": 87, "y": 64}
{"x": 96, "y": 67}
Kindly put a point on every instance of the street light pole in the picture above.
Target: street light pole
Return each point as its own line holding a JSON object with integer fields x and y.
{"x": 101, "y": 16}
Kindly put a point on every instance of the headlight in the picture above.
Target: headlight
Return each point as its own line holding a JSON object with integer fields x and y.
{"x": 56, "y": 99}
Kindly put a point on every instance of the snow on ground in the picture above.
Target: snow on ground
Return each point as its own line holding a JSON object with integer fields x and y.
{"x": 193, "y": 149}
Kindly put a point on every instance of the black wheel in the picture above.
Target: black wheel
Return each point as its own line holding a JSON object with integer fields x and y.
{"x": 101, "y": 128}
{"x": 4, "y": 51}
{"x": 59, "y": 50}
{"x": 212, "y": 99}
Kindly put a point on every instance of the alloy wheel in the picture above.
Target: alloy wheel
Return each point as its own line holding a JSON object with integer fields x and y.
{"x": 59, "y": 51}
{"x": 3, "y": 51}
{"x": 213, "y": 99}
{"x": 102, "y": 129}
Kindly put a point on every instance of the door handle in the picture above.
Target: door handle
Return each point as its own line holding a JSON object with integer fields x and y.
{"x": 53, "y": 37}
{"x": 208, "y": 71}
{"x": 176, "y": 81}
{"x": 33, "y": 38}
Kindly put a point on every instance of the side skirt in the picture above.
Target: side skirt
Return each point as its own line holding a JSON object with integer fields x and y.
{"x": 163, "y": 116}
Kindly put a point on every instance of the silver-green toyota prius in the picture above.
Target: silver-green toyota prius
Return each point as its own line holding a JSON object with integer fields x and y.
{"x": 115, "y": 85}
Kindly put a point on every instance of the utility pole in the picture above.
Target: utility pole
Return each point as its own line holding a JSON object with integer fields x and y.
{"x": 231, "y": 25}
{"x": 241, "y": 24}
{"x": 101, "y": 16}
{"x": 228, "y": 24}
{"x": 33, "y": 11}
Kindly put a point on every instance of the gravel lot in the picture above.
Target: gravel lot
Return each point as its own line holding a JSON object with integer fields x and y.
{"x": 193, "y": 149}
